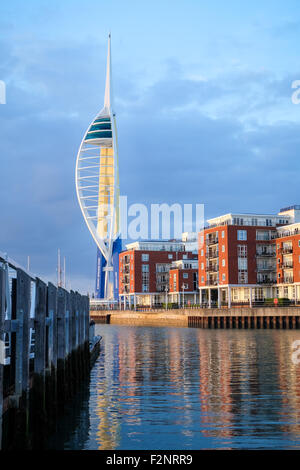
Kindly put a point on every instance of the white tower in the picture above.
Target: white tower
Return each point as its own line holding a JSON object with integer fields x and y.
{"x": 97, "y": 186}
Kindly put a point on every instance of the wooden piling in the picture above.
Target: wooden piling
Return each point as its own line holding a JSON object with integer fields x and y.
{"x": 35, "y": 386}
{"x": 2, "y": 349}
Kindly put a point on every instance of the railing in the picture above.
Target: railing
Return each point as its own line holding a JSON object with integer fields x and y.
{"x": 212, "y": 254}
{"x": 288, "y": 233}
{"x": 286, "y": 250}
{"x": 263, "y": 254}
{"x": 212, "y": 241}
{"x": 286, "y": 265}
{"x": 211, "y": 282}
{"x": 266, "y": 281}
{"x": 287, "y": 280}
{"x": 42, "y": 326}
{"x": 213, "y": 269}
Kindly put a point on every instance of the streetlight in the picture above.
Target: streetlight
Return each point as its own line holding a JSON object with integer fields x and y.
{"x": 183, "y": 287}
{"x": 166, "y": 290}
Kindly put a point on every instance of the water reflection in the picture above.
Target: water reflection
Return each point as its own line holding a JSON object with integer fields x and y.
{"x": 180, "y": 388}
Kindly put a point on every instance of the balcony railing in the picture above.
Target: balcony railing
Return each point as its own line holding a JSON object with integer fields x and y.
{"x": 212, "y": 241}
{"x": 266, "y": 281}
{"x": 212, "y": 268}
{"x": 287, "y": 280}
{"x": 287, "y": 265}
{"x": 211, "y": 282}
{"x": 264, "y": 254}
{"x": 212, "y": 254}
{"x": 265, "y": 268}
{"x": 287, "y": 249}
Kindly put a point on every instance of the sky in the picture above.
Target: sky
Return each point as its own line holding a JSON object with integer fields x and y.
{"x": 202, "y": 94}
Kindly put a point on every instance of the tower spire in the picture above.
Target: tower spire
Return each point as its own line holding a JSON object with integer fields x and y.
{"x": 107, "y": 96}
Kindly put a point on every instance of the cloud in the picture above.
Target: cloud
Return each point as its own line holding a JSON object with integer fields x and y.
{"x": 181, "y": 139}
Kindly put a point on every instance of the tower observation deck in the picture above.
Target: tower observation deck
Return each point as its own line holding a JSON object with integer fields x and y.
{"x": 97, "y": 186}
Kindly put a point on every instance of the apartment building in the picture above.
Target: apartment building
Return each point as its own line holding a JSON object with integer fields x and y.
{"x": 144, "y": 270}
{"x": 183, "y": 282}
{"x": 237, "y": 258}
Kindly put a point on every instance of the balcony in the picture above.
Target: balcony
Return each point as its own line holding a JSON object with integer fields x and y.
{"x": 211, "y": 282}
{"x": 212, "y": 268}
{"x": 287, "y": 265}
{"x": 212, "y": 254}
{"x": 288, "y": 280}
{"x": 268, "y": 280}
{"x": 212, "y": 241}
{"x": 265, "y": 268}
{"x": 287, "y": 250}
{"x": 265, "y": 254}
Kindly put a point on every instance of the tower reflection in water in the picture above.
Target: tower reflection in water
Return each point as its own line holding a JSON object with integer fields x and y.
{"x": 183, "y": 388}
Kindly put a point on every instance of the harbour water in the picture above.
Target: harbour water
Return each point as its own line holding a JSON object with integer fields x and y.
{"x": 187, "y": 388}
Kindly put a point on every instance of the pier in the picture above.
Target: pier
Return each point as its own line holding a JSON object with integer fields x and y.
{"x": 232, "y": 318}
{"x": 45, "y": 354}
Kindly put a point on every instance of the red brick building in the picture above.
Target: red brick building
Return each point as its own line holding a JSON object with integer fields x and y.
{"x": 288, "y": 262}
{"x": 237, "y": 261}
{"x": 144, "y": 270}
{"x": 183, "y": 282}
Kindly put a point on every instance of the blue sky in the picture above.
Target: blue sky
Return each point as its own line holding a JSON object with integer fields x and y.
{"x": 204, "y": 112}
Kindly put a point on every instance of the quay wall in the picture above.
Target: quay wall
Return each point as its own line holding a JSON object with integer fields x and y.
{"x": 235, "y": 317}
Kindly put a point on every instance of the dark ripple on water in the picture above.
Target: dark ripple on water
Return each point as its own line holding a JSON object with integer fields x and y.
{"x": 181, "y": 388}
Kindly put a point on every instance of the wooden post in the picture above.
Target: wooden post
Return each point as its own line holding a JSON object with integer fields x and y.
{"x": 39, "y": 325}
{"x": 39, "y": 418}
{"x": 52, "y": 314}
{"x": 61, "y": 324}
{"x": 22, "y": 344}
{"x": 68, "y": 325}
{"x": 2, "y": 349}
{"x": 61, "y": 348}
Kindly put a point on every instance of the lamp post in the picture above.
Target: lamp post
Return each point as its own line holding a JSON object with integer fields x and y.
{"x": 166, "y": 290}
{"x": 183, "y": 287}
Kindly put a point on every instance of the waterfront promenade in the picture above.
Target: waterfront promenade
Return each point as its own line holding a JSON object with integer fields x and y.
{"x": 235, "y": 317}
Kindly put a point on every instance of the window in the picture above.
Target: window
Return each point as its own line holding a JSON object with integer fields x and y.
{"x": 223, "y": 234}
{"x": 223, "y": 277}
{"x": 242, "y": 234}
{"x": 145, "y": 257}
{"x": 278, "y": 260}
{"x": 185, "y": 275}
{"x": 201, "y": 252}
{"x": 202, "y": 265}
{"x": 223, "y": 262}
{"x": 184, "y": 257}
{"x": 145, "y": 288}
{"x": 223, "y": 248}
{"x": 278, "y": 274}
{"x": 145, "y": 268}
{"x": 242, "y": 251}
{"x": 298, "y": 242}
{"x": 202, "y": 278}
{"x": 243, "y": 264}
{"x": 243, "y": 277}
{"x": 170, "y": 256}
{"x": 278, "y": 246}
